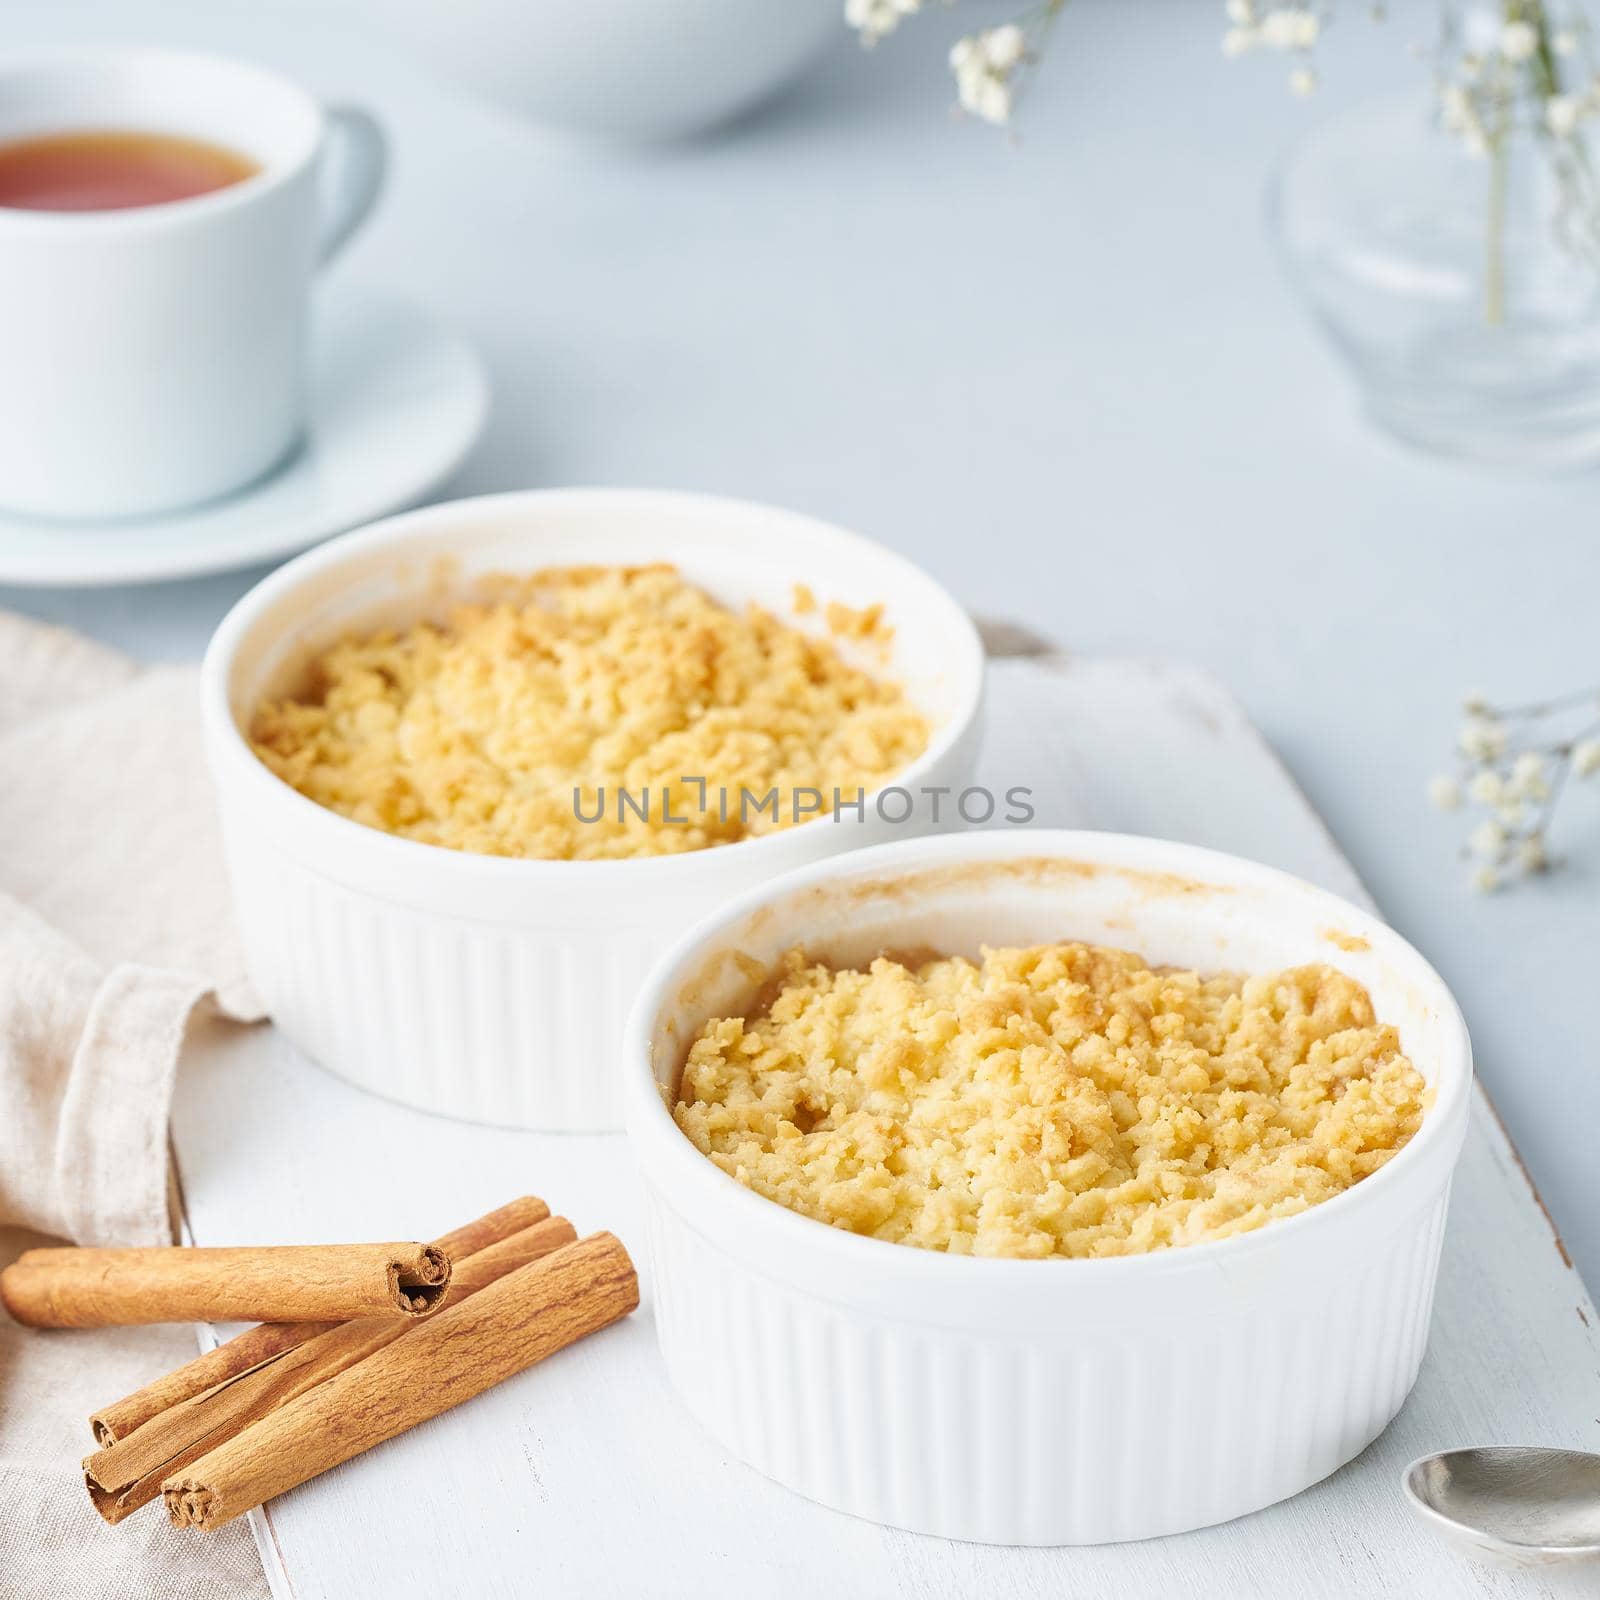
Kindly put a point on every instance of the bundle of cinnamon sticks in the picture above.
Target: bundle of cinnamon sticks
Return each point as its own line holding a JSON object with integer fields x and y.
{"x": 356, "y": 1343}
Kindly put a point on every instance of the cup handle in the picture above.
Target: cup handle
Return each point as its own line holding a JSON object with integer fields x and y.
{"x": 352, "y": 176}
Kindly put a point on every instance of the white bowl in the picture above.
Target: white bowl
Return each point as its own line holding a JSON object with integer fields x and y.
{"x": 496, "y": 989}
{"x": 631, "y": 69}
{"x": 1057, "y": 1401}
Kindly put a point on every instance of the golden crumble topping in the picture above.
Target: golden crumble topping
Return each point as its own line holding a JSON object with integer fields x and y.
{"x": 598, "y": 680}
{"x": 1065, "y": 1100}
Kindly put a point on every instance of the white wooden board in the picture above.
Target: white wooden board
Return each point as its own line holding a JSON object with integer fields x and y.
{"x": 584, "y": 1477}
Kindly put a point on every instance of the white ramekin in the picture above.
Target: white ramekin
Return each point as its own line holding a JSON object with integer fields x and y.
{"x": 1042, "y": 1402}
{"x": 494, "y": 989}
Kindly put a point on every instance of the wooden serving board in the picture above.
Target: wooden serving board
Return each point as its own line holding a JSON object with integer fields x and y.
{"x": 585, "y": 1477}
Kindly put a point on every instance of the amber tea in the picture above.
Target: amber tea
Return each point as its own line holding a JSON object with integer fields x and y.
{"x": 113, "y": 170}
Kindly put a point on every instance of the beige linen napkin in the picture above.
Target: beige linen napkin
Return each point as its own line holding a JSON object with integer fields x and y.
{"x": 114, "y": 928}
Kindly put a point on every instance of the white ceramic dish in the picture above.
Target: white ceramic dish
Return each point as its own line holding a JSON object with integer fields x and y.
{"x": 629, "y": 69}
{"x": 1043, "y": 1402}
{"x": 396, "y": 402}
{"x": 495, "y": 989}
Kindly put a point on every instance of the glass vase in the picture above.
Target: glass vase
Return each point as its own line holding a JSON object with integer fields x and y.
{"x": 1449, "y": 282}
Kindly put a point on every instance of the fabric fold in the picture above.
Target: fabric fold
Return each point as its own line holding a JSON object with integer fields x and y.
{"x": 115, "y": 931}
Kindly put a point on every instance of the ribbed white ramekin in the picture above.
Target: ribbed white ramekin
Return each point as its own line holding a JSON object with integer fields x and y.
{"x": 494, "y": 989}
{"x": 1043, "y": 1402}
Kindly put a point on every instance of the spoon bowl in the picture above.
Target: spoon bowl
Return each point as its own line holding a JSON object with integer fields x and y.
{"x": 1516, "y": 1503}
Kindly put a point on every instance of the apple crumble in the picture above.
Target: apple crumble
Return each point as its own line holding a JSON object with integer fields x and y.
{"x": 544, "y": 724}
{"x": 1065, "y": 1100}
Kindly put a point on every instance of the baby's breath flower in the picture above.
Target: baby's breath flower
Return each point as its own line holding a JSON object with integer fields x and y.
{"x": 1531, "y": 855}
{"x": 1514, "y": 771}
{"x": 1240, "y": 12}
{"x": 1564, "y": 41}
{"x": 1289, "y": 28}
{"x": 1005, "y": 47}
{"x": 1562, "y": 113}
{"x": 983, "y": 64}
{"x": 875, "y": 19}
{"x": 991, "y": 101}
{"x": 1488, "y": 839}
{"x": 1482, "y": 738}
{"x": 1528, "y": 777}
{"x": 1236, "y": 41}
{"x": 1518, "y": 41}
{"x": 1444, "y": 793}
{"x": 1487, "y": 787}
{"x": 1303, "y": 81}
{"x": 1460, "y": 113}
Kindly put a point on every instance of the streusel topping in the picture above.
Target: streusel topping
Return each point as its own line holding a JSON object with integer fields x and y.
{"x": 1064, "y": 1100}
{"x": 518, "y": 728}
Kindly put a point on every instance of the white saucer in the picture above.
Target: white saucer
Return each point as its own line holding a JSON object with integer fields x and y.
{"x": 396, "y": 403}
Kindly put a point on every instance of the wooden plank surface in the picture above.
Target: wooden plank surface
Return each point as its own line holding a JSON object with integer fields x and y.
{"x": 585, "y": 1477}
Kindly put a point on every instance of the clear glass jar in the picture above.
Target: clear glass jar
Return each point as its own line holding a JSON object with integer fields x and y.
{"x": 1444, "y": 279}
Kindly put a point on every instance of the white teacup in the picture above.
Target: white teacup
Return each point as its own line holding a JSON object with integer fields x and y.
{"x": 155, "y": 357}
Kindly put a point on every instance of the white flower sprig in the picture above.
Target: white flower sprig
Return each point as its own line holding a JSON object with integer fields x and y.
{"x": 984, "y": 65}
{"x": 1528, "y": 72}
{"x": 1523, "y": 61}
{"x": 1520, "y": 68}
{"x": 1514, "y": 764}
{"x": 1286, "y": 29}
{"x": 876, "y": 19}
{"x": 988, "y": 65}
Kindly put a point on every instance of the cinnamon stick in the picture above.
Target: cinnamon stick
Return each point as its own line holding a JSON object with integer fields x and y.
{"x": 79, "y": 1288}
{"x": 126, "y": 1475}
{"x": 436, "y": 1364}
{"x": 227, "y": 1360}
{"x": 493, "y": 1226}
{"x": 255, "y": 1345}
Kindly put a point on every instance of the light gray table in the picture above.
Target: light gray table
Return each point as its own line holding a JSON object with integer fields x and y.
{"x": 1065, "y": 376}
{"x": 1513, "y": 1349}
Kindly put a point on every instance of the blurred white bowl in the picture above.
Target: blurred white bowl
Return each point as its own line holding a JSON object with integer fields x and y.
{"x": 631, "y": 69}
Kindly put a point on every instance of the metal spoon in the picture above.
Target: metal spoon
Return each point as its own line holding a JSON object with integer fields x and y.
{"x": 1511, "y": 1502}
